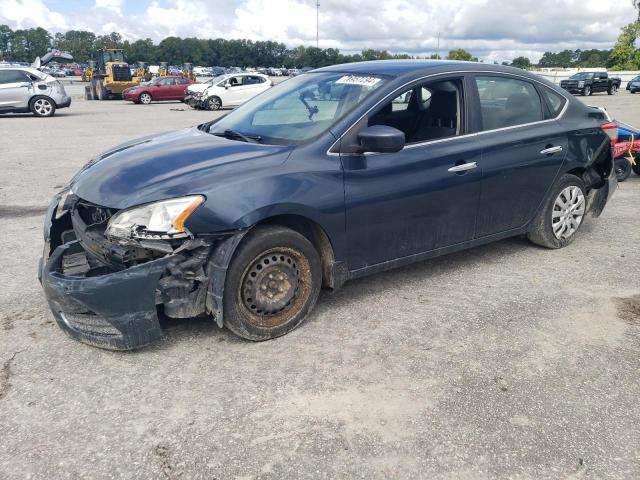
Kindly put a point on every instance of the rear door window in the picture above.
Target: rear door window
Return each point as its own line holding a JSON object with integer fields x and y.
{"x": 12, "y": 76}
{"x": 507, "y": 102}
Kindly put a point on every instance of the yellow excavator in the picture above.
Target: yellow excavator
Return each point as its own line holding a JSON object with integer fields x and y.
{"x": 110, "y": 75}
{"x": 187, "y": 71}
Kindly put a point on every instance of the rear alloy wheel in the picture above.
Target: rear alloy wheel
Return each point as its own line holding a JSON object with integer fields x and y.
{"x": 559, "y": 219}
{"x": 145, "y": 98}
{"x": 272, "y": 284}
{"x": 586, "y": 91}
{"x": 214, "y": 103}
{"x": 612, "y": 90}
{"x": 43, "y": 107}
{"x": 622, "y": 167}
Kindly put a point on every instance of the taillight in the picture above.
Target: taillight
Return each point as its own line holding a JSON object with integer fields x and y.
{"x": 611, "y": 129}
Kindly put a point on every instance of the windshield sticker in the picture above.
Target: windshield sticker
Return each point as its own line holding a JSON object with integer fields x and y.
{"x": 359, "y": 80}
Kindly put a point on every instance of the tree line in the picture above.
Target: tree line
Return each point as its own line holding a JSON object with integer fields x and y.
{"x": 23, "y": 45}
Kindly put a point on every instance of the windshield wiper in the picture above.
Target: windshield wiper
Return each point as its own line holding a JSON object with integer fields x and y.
{"x": 229, "y": 133}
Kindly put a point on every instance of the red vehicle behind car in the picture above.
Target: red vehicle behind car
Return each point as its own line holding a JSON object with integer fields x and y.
{"x": 159, "y": 89}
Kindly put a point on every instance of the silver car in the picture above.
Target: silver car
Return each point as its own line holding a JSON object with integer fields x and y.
{"x": 26, "y": 89}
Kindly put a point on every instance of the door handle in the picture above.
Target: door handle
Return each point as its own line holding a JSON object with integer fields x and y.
{"x": 551, "y": 150}
{"x": 463, "y": 167}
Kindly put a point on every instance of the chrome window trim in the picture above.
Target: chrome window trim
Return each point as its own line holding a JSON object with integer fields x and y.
{"x": 467, "y": 135}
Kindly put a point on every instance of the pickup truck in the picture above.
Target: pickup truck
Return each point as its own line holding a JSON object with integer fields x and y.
{"x": 586, "y": 83}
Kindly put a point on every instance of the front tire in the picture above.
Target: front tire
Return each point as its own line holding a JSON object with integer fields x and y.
{"x": 272, "y": 284}
{"x": 214, "y": 103}
{"x": 559, "y": 219}
{"x": 42, "y": 106}
{"x": 586, "y": 91}
{"x": 623, "y": 169}
{"x": 612, "y": 90}
{"x": 145, "y": 98}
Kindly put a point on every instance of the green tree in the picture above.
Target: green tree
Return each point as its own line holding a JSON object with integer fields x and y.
{"x": 521, "y": 62}
{"x": 5, "y": 42}
{"x": 78, "y": 43}
{"x": 624, "y": 55}
{"x": 30, "y": 43}
{"x": 460, "y": 54}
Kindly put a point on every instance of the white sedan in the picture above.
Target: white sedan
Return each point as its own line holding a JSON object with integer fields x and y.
{"x": 227, "y": 90}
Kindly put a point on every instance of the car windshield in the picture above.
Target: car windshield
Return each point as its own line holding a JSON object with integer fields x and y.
{"x": 298, "y": 109}
{"x": 582, "y": 76}
{"x": 215, "y": 79}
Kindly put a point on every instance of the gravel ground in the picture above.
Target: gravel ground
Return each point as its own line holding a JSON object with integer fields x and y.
{"x": 504, "y": 361}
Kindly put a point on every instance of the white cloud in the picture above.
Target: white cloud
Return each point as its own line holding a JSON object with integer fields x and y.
{"x": 491, "y": 29}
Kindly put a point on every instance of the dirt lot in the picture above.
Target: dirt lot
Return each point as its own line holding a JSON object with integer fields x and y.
{"x": 504, "y": 361}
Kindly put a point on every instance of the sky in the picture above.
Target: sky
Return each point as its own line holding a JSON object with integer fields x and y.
{"x": 493, "y": 30}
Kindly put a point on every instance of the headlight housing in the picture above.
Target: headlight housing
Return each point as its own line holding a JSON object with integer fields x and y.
{"x": 65, "y": 202}
{"x": 162, "y": 220}
{"x": 581, "y": 84}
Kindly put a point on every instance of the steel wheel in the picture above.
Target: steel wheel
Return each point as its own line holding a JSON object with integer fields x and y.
{"x": 145, "y": 98}
{"x": 272, "y": 285}
{"x": 43, "y": 107}
{"x": 568, "y": 212}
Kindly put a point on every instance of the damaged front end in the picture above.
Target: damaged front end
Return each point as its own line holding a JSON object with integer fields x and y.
{"x": 105, "y": 287}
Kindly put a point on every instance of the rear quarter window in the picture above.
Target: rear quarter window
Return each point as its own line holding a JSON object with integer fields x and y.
{"x": 555, "y": 102}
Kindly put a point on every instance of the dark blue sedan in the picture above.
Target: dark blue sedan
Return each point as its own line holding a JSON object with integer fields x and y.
{"x": 332, "y": 175}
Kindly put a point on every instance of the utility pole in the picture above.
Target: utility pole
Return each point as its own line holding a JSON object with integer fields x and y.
{"x": 438, "y": 48}
{"x": 317, "y": 23}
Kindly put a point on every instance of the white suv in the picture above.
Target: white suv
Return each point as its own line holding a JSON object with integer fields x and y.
{"x": 26, "y": 89}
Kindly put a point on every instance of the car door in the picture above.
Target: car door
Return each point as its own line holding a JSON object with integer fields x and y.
{"x": 523, "y": 148}
{"x": 253, "y": 85}
{"x": 15, "y": 88}
{"x": 233, "y": 91}
{"x": 423, "y": 197}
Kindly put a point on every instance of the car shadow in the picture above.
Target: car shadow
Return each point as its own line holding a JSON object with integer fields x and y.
{"x": 204, "y": 327}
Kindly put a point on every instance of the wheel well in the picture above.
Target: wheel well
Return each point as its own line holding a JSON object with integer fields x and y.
{"x": 313, "y": 232}
{"x": 36, "y": 97}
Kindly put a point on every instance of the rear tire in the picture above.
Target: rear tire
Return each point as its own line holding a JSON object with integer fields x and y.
{"x": 561, "y": 215}
{"x": 636, "y": 167}
{"x": 623, "y": 169}
{"x": 42, "y": 106}
{"x": 272, "y": 284}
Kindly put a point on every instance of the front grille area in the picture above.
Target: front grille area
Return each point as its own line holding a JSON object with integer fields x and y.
{"x": 89, "y": 323}
{"x": 121, "y": 73}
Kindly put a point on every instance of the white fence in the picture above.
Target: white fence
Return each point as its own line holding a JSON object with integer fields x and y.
{"x": 558, "y": 75}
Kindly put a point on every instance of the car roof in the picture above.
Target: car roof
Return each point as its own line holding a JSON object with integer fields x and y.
{"x": 23, "y": 68}
{"x": 404, "y": 67}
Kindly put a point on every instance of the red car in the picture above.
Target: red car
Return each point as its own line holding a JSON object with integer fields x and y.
{"x": 159, "y": 89}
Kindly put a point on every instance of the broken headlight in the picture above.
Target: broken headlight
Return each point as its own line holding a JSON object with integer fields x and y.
{"x": 65, "y": 202}
{"x": 159, "y": 220}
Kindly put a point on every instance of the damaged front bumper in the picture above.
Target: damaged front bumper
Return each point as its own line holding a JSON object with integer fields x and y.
{"x": 110, "y": 299}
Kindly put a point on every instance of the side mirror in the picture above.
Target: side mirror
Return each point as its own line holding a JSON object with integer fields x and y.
{"x": 381, "y": 139}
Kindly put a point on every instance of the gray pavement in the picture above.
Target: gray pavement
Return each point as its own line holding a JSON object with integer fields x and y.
{"x": 504, "y": 361}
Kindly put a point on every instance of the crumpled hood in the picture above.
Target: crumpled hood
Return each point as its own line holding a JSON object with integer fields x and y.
{"x": 167, "y": 165}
